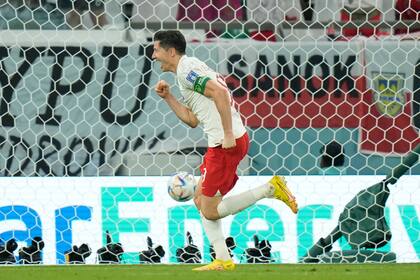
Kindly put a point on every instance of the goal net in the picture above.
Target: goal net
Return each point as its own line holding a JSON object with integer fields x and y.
{"x": 328, "y": 91}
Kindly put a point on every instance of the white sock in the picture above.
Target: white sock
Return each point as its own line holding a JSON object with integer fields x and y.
{"x": 214, "y": 233}
{"x": 236, "y": 203}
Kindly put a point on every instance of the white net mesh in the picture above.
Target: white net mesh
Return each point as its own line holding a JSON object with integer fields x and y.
{"x": 328, "y": 89}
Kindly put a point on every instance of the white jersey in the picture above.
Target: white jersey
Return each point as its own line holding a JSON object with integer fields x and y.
{"x": 204, "y": 108}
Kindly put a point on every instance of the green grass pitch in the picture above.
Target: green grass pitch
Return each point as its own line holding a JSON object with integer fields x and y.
{"x": 243, "y": 272}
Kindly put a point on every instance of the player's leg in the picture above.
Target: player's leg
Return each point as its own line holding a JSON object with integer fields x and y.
{"x": 213, "y": 230}
{"x": 275, "y": 188}
{"x": 197, "y": 194}
{"x": 212, "y": 227}
{"x": 219, "y": 208}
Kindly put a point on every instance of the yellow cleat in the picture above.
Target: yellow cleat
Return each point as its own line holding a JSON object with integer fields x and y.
{"x": 217, "y": 265}
{"x": 282, "y": 193}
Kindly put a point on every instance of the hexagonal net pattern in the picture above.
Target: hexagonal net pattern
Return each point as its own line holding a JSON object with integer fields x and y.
{"x": 328, "y": 91}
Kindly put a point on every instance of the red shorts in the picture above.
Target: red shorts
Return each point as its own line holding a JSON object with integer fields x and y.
{"x": 218, "y": 170}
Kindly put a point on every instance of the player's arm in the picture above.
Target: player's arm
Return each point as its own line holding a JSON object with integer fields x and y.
{"x": 221, "y": 98}
{"x": 182, "y": 112}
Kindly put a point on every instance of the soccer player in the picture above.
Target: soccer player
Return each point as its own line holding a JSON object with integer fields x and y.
{"x": 207, "y": 101}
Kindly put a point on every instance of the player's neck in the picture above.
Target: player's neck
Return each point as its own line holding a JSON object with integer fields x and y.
{"x": 177, "y": 59}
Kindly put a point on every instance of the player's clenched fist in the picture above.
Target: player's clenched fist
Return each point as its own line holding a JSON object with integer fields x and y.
{"x": 162, "y": 88}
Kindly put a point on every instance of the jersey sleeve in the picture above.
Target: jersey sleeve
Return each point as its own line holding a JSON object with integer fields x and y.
{"x": 193, "y": 78}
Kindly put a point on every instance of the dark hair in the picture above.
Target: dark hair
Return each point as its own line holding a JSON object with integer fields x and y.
{"x": 332, "y": 155}
{"x": 171, "y": 39}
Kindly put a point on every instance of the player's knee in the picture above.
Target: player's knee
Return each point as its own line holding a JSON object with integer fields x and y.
{"x": 210, "y": 215}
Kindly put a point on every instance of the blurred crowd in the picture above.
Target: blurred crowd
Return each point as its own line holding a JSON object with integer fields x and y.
{"x": 52, "y": 14}
{"x": 117, "y": 14}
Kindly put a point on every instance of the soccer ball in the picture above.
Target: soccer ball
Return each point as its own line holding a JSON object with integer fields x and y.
{"x": 181, "y": 186}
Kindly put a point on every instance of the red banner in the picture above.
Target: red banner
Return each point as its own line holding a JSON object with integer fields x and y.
{"x": 277, "y": 103}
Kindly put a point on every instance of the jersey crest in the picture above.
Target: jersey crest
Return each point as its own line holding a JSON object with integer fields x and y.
{"x": 192, "y": 76}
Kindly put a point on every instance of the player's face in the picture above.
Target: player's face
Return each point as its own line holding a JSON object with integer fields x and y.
{"x": 161, "y": 55}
